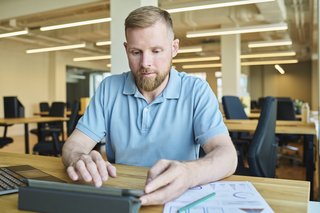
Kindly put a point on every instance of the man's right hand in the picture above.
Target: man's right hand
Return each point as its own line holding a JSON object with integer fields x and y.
{"x": 91, "y": 168}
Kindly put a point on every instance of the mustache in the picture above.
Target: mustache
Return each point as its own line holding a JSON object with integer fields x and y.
{"x": 145, "y": 70}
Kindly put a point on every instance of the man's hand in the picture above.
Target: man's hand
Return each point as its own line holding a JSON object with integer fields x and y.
{"x": 91, "y": 168}
{"x": 166, "y": 180}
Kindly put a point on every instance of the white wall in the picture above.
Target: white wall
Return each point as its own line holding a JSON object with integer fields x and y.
{"x": 34, "y": 77}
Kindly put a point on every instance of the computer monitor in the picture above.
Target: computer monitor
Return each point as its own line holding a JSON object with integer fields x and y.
{"x": 13, "y": 108}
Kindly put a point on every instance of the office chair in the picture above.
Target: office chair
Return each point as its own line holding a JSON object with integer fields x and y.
{"x": 53, "y": 146}
{"x": 262, "y": 153}
{"x": 286, "y": 111}
{"x": 233, "y": 109}
{"x": 4, "y": 140}
{"x": 57, "y": 109}
{"x": 44, "y": 107}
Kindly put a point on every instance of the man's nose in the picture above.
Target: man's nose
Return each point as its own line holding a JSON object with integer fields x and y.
{"x": 146, "y": 60}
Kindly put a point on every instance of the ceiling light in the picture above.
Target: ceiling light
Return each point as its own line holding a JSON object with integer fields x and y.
{"x": 238, "y": 30}
{"x": 251, "y": 63}
{"x": 93, "y": 58}
{"x": 181, "y": 60}
{"x": 16, "y": 33}
{"x": 271, "y": 54}
{"x": 218, "y": 4}
{"x": 103, "y": 43}
{"x": 198, "y": 66}
{"x": 277, "y": 66}
{"x": 247, "y": 63}
{"x": 273, "y": 43}
{"x": 109, "y": 65}
{"x": 48, "y": 49}
{"x": 75, "y": 24}
{"x": 190, "y": 49}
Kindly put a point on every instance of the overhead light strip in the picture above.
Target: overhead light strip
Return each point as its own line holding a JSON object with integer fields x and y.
{"x": 271, "y": 54}
{"x": 75, "y": 24}
{"x": 93, "y": 58}
{"x": 238, "y": 30}
{"x": 281, "y": 71}
{"x": 103, "y": 43}
{"x": 182, "y": 60}
{"x": 16, "y": 33}
{"x": 218, "y": 4}
{"x": 49, "y": 49}
{"x": 248, "y": 63}
{"x": 190, "y": 49}
{"x": 255, "y": 44}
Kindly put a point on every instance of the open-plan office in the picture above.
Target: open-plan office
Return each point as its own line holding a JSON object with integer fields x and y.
{"x": 59, "y": 51}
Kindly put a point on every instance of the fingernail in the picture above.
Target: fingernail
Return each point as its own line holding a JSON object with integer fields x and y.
{"x": 143, "y": 200}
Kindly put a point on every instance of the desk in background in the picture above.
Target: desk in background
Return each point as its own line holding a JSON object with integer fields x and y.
{"x": 282, "y": 195}
{"x": 308, "y": 130}
{"x": 26, "y": 121}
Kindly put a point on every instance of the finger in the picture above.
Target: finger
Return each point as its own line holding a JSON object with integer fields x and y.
{"x": 93, "y": 171}
{"x": 157, "y": 169}
{"x": 160, "y": 196}
{"x": 160, "y": 181}
{"x": 112, "y": 170}
{"x": 101, "y": 165}
{"x": 72, "y": 173}
{"x": 82, "y": 171}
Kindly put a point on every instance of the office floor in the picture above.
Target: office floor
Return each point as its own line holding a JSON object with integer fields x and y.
{"x": 285, "y": 170}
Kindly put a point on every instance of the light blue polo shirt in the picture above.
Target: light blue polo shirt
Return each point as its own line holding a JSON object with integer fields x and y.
{"x": 183, "y": 117}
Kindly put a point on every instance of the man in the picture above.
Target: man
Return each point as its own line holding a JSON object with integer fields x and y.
{"x": 152, "y": 116}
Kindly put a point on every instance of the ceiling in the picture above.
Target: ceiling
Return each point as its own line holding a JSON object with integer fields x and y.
{"x": 298, "y": 14}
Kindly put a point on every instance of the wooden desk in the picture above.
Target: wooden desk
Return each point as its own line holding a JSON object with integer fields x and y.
{"x": 308, "y": 130}
{"x": 68, "y": 113}
{"x": 282, "y": 195}
{"x": 256, "y": 115}
{"x": 26, "y": 121}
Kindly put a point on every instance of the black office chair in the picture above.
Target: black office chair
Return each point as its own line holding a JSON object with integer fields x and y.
{"x": 286, "y": 111}
{"x": 57, "y": 109}
{"x": 44, "y": 107}
{"x": 4, "y": 140}
{"x": 262, "y": 153}
{"x": 53, "y": 146}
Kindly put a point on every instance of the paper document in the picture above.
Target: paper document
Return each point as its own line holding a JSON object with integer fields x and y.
{"x": 231, "y": 196}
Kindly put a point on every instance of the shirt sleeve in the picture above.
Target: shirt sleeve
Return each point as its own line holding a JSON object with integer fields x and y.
{"x": 93, "y": 122}
{"x": 208, "y": 120}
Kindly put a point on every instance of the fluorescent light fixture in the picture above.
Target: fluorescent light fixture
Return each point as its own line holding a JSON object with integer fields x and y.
{"x": 93, "y": 58}
{"x": 218, "y": 4}
{"x": 103, "y": 43}
{"x": 277, "y": 66}
{"x": 218, "y": 74}
{"x": 251, "y": 63}
{"x": 191, "y": 49}
{"x": 273, "y": 43}
{"x": 16, "y": 33}
{"x": 238, "y": 30}
{"x": 182, "y": 60}
{"x": 199, "y": 66}
{"x": 271, "y": 54}
{"x": 247, "y": 63}
{"x": 75, "y": 24}
{"x": 49, "y": 49}
{"x": 109, "y": 65}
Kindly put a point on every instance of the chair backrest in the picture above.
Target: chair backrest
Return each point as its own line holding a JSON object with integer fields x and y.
{"x": 57, "y": 109}
{"x": 285, "y": 109}
{"x": 233, "y": 108}
{"x": 44, "y": 107}
{"x": 262, "y": 153}
{"x": 73, "y": 117}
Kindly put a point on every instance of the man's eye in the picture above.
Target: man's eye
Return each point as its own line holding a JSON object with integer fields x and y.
{"x": 156, "y": 51}
{"x": 135, "y": 53}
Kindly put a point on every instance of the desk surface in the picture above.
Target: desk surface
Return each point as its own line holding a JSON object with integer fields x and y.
{"x": 282, "y": 195}
{"x": 9, "y": 121}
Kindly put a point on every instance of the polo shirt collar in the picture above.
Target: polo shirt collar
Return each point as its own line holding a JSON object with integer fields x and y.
{"x": 172, "y": 90}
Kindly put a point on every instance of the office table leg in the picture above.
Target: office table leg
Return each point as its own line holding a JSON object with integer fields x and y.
{"x": 309, "y": 161}
{"x": 26, "y": 138}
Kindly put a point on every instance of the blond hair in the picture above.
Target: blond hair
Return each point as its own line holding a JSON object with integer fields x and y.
{"x": 146, "y": 16}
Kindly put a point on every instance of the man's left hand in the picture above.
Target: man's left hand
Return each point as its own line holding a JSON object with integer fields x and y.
{"x": 166, "y": 180}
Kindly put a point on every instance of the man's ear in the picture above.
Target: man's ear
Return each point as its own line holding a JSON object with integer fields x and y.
{"x": 175, "y": 47}
{"x": 125, "y": 45}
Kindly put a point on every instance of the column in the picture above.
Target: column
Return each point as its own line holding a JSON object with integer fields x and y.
{"x": 231, "y": 67}
{"x": 119, "y": 11}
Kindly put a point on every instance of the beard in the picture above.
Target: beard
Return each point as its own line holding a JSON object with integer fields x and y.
{"x": 149, "y": 83}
